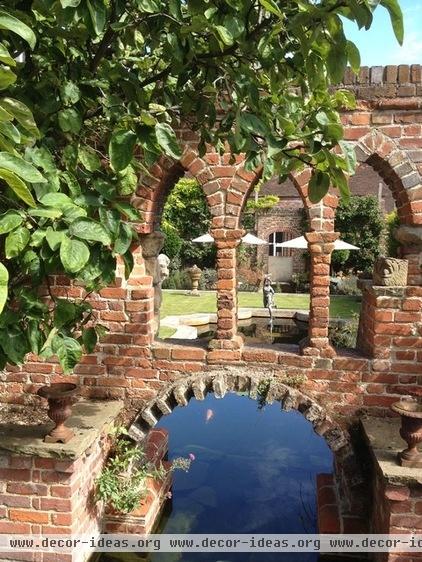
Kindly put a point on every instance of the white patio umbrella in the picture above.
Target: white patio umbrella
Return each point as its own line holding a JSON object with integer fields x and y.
{"x": 253, "y": 240}
{"x": 301, "y": 243}
{"x": 204, "y": 239}
{"x": 247, "y": 239}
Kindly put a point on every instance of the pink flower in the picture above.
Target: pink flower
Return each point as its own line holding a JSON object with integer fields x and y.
{"x": 192, "y": 456}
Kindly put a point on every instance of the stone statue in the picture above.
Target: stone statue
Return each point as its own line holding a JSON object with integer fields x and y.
{"x": 162, "y": 272}
{"x": 268, "y": 293}
{"x": 390, "y": 272}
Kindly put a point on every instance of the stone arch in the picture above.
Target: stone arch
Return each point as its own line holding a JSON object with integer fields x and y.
{"x": 221, "y": 382}
{"x": 397, "y": 170}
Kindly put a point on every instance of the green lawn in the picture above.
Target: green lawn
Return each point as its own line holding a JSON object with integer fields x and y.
{"x": 178, "y": 302}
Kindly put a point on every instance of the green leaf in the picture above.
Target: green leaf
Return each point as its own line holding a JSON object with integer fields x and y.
{"x": 35, "y": 336}
{"x": 16, "y": 242}
{"x": 224, "y": 34}
{"x": 167, "y": 140}
{"x": 128, "y": 180}
{"x": 7, "y": 77}
{"x": 354, "y": 56}
{"x": 88, "y": 229}
{"x": 65, "y": 312}
{"x": 337, "y": 62}
{"x": 89, "y": 159}
{"x": 9, "y": 221}
{"x": 13, "y": 24}
{"x": 5, "y": 56}
{"x": 70, "y": 93}
{"x": 21, "y": 168}
{"x": 120, "y": 149}
{"x": 319, "y": 185}
{"x": 54, "y": 237}
{"x": 340, "y": 181}
{"x": 17, "y": 186}
{"x": 271, "y": 6}
{"x": 45, "y": 213}
{"x": 349, "y": 153}
{"x": 14, "y": 344}
{"x": 124, "y": 239}
{"x": 70, "y": 3}
{"x": 57, "y": 200}
{"x": 89, "y": 339}
{"x": 98, "y": 14}
{"x": 74, "y": 254}
{"x": 70, "y": 121}
{"x": 10, "y": 131}
{"x": 126, "y": 209}
{"x": 68, "y": 351}
{"x": 396, "y": 17}
{"x": 4, "y": 281}
{"x": 21, "y": 113}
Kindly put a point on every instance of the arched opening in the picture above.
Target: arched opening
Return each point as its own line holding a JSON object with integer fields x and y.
{"x": 176, "y": 209}
{"x": 255, "y": 470}
{"x": 248, "y": 451}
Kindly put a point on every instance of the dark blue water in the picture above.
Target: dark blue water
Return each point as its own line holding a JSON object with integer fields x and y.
{"x": 254, "y": 472}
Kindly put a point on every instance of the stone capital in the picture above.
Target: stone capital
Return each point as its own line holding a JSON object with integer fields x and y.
{"x": 409, "y": 235}
{"x": 151, "y": 244}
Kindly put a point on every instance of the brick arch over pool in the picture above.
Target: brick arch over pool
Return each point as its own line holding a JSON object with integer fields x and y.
{"x": 128, "y": 364}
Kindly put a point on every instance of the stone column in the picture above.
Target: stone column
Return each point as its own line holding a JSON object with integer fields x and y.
{"x": 320, "y": 244}
{"x": 410, "y": 238}
{"x": 151, "y": 246}
{"x": 227, "y": 343}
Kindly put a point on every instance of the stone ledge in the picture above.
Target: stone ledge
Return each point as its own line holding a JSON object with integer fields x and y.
{"x": 382, "y": 436}
{"x": 89, "y": 420}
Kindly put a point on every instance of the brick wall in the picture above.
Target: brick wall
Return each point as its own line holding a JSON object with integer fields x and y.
{"x": 50, "y": 496}
{"x": 386, "y": 128}
{"x": 287, "y": 216}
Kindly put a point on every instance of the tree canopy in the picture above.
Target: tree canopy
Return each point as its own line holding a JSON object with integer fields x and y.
{"x": 90, "y": 93}
{"x": 360, "y": 222}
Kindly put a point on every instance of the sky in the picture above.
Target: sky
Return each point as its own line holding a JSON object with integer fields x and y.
{"x": 378, "y": 45}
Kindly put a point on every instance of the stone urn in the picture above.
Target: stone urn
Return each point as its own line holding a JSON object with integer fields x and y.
{"x": 410, "y": 411}
{"x": 195, "y": 275}
{"x": 60, "y": 398}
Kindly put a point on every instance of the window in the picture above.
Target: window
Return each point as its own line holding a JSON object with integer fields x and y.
{"x": 274, "y": 241}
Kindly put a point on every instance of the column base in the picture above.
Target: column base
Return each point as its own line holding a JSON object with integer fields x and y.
{"x": 317, "y": 347}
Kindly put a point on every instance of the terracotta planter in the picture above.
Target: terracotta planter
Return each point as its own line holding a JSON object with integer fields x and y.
{"x": 60, "y": 397}
{"x": 411, "y": 431}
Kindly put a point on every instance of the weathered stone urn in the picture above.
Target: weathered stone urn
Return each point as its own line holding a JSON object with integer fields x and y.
{"x": 411, "y": 431}
{"x": 60, "y": 397}
{"x": 195, "y": 275}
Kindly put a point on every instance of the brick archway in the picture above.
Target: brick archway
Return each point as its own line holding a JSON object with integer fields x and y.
{"x": 398, "y": 171}
{"x": 347, "y": 479}
{"x": 220, "y": 383}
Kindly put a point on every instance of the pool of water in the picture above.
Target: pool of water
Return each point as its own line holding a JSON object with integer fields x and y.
{"x": 254, "y": 472}
{"x": 259, "y": 330}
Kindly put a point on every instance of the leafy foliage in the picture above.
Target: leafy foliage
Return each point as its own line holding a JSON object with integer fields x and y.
{"x": 122, "y": 484}
{"x": 186, "y": 216}
{"x": 255, "y": 205}
{"x": 87, "y": 84}
{"x": 392, "y": 222}
{"x": 360, "y": 222}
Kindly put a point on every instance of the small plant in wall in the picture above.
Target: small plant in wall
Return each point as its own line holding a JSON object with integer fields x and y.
{"x": 122, "y": 484}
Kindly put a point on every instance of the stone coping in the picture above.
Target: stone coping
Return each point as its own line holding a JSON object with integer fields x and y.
{"x": 89, "y": 420}
{"x": 383, "y": 438}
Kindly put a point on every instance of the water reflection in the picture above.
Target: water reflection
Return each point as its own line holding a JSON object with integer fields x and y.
{"x": 254, "y": 472}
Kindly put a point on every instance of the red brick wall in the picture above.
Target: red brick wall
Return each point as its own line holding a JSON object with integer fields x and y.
{"x": 386, "y": 127}
{"x": 50, "y": 496}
